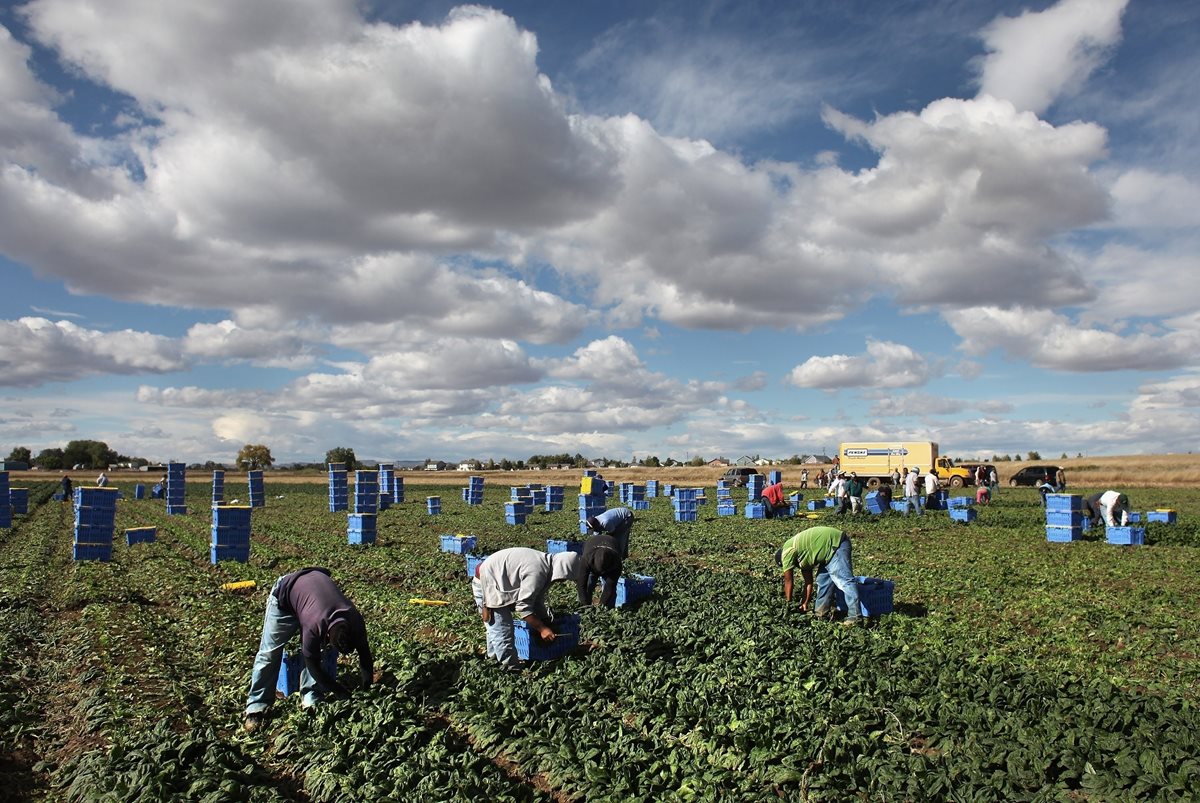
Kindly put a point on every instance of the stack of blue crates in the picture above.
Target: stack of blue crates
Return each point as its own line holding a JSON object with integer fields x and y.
{"x": 795, "y": 502}
{"x": 959, "y": 502}
{"x": 554, "y": 546}
{"x": 726, "y": 506}
{"x": 537, "y": 496}
{"x": 458, "y": 544}
{"x": 756, "y": 510}
{"x": 774, "y": 477}
{"x": 140, "y": 535}
{"x": 651, "y": 489}
{"x": 176, "y": 490}
{"x": 963, "y": 515}
{"x": 139, "y": 491}
{"x": 555, "y": 497}
{"x": 668, "y": 489}
{"x": 366, "y": 492}
{"x": 361, "y": 529}
{"x": 258, "y": 497}
{"x": 387, "y": 472}
{"x": 515, "y": 511}
{"x": 637, "y": 497}
{"x": 754, "y": 487}
{"x": 610, "y": 488}
{"x": 473, "y": 493}
{"x": 1064, "y": 517}
{"x": 473, "y": 562}
{"x": 590, "y": 505}
{"x": 1126, "y": 536}
{"x": 384, "y": 501}
{"x": 724, "y": 493}
{"x": 95, "y": 515}
{"x": 6, "y": 511}
{"x": 433, "y": 505}
{"x": 19, "y": 499}
{"x": 397, "y": 490}
{"x": 218, "y": 487}
{"x": 339, "y": 488}
{"x": 686, "y": 504}
{"x": 230, "y": 533}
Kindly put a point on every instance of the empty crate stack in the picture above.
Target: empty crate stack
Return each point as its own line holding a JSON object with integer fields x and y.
{"x": 258, "y": 496}
{"x": 383, "y": 482}
{"x": 230, "y": 533}
{"x": 685, "y": 504}
{"x": 95, "y": 514}
{"x": 473, "y": 493}
{"x": 515, "y": 511}
{"x": 361, "y": 529}
{"x": 218, "y": 487}
{"x": 651, "y": 489}
{"x": 1064, "y": 517}
{"x": 754, "y": 487}
{"x": 634, "y": 496}
{"x": 176, "y": 489}
{"x": 555, "y": 498}
{"x": 366, "y": 492}
{"x": 397, "y": 490}
{"x": 537, "y": 496}
{"x": 774, "y": 477}
{"x": 756, "y": 510}
{"x": 18, "y": 498}
{"x": 961, "y": 509}
{"x": 339, "y": 488}
{"x": 433, "y": 505}
{"x": 591, "y": 501}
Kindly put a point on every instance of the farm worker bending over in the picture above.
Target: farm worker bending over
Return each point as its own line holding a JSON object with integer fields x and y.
{"x": 514, "y": 582}
{"x": 1111, "y": 506}
{"x": 307, "y": 602}
{"x": 773, "y": 501}
{"x": 826, "y": 550}
{"x": 102, "y": 480}
{"x": 601, "y": 560}
{"x": 983, "y": 496}
{"x": 617, "y": 522}
{"x": 854, "y": 492}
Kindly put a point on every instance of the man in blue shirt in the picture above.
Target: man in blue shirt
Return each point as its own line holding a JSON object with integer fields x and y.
{"x": 617, "y": 522}
{"x": 307, "y": 602}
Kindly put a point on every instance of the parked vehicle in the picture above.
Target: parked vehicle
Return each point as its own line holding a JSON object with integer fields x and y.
{"x": 738, "y": 475}
{"x": 1032, "y": 476}
{"x": 874, "y": 462}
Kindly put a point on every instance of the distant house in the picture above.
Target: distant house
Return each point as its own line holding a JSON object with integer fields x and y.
{"x": 469, "y": 465}
{"x": 762, "y": 461}
{"x": 718, "y": 461}
{"x": 817, "y": 459}
{"x": 435, "y": 465}
{"x": 744, "y": 460}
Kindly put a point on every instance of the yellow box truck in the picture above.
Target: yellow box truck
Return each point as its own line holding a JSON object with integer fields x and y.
{"x": 874, "y": 462}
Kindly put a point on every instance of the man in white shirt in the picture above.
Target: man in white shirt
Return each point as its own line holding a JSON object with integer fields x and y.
{"x": 911, "y": 500}
{"x": 931, "y": 489}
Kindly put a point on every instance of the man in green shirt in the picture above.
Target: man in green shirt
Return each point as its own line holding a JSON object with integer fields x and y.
{"x": 825, "y": 550}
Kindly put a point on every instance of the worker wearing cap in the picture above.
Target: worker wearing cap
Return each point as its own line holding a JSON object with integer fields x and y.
{"x": 825, "y": 552}
{"x": 1111, "y": 506}
{"x": 911, "y": 499}
{"x": 601, "y": 560}
{"x": 773, "y": 502}
{"x": 617, "y": 522}
{"x": 513, "y": 583}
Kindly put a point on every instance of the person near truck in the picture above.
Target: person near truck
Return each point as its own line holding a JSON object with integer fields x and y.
{"x": 601, "y": 560}
{"x": 854, "y": 492}
{"x": 896, "y": 479}
{"x": 617, "y": 522}
{"x": 512, "y": 584}
{"x": 1060, "y": 481}
{"x": 1110, "y": 507}
{"x": 773, "y": 501}
{"x": 912, "y": 501}
{"x": 307, "y": 602}
{"x": 931, "y": 489}
{"x": 823, "y": 555}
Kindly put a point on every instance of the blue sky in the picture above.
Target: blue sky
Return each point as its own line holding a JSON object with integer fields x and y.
{"x": 615, "y": 228}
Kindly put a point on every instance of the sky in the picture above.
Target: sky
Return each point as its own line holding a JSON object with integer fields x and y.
{"x": 620, "y": 229}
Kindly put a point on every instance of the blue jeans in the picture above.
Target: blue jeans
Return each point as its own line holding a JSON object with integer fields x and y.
{"x": 839, "y": 571}
{"x": 621, "y": 536}
{"x": 501, "y": 644}
{"x": 913, "y": 501}
{"x": 278, "y": 629}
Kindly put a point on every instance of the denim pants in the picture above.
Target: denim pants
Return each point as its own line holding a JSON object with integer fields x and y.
{"x": 278, "y": 629}
{"x": 914, "y": 502}
{"x": 621, "y": 536}
{"x": 839, "y": 571}
{"x": 501, "y": 644}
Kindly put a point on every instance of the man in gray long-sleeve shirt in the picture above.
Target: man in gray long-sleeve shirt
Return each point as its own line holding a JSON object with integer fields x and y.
{"x": 514, "y": 582}
{"x": 307, "y": 602}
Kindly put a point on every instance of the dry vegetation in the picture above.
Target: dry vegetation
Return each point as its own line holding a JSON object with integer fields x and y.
{"x": 1130, "y": 471}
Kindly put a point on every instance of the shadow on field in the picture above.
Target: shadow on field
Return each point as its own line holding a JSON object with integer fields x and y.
{"x": 913, "y": 610}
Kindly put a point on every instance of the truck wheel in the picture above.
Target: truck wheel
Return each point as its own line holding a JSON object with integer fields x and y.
{"x": 1012, "y": 483}
{"x": 873, "y": 483}
{"x": 956, "y": 482}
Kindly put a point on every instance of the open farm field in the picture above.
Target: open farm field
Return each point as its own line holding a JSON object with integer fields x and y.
{"x": 1012, "y": 669}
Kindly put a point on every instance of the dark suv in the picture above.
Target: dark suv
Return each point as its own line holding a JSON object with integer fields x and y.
{"x": 738, "y": 475}
{"x": 1033, "y": 475}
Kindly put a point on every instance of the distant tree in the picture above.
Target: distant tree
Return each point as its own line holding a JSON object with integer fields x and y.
{"x": 696, "y": 461}
{"x": 506, "y": 464}
{"x": 342, "y": 454}
{"x": 89, "y": 454}
{"x": 652, "y": 461}
{"x": 1080, "y": 454}
{"x": 1064, "y": 456}
{"x": 491, "y": 464}
{"x": 50, "y": 459}
{"x": 254, "y": 456}
{"x": 1017, "y": 458}
{"x": 1034, "y": 455}
{"x": 21, "y": 454}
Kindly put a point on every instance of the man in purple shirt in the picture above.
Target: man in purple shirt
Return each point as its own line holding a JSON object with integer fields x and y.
{"x": 307, "y": 602}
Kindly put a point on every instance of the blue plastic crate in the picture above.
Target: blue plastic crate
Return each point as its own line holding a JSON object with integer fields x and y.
{"x": 554, "y": 546}
{"x": 1063, "y": 535}
{"x": 963, "y": 515}
{"x": 241, "y": 554}
{"x": 458, "y": 544}
{"x": 141, "y": 535}
{"x": 531, "y": 648}
{"x": 100, "y": 552}
{"x": 473, "y": 562}
{"x": 139, "y": 491}
{"x": 1127, "y": 536}
{"x": 959, "y": 502}
{"x": 93, "y": 534}
{"x": 685, "y": 516}
{"x": 293, "y": 664}
{"x": 515, "y": 519}
{"x": 726, "y": 510}
{"x": 639, "y": 504}
{"x": 875, "y": 596}
{"x": 1161, "y": 516}
{"x": 756, "y": 510}
{"x": 899, "y": 505}
{"x": 1135, "y": 518}
{"x": 816, "y": 504}
{"x": 1064, "y": 518}
{"x": 224, "y": 536}
{"x": 360, "y": 538}
{"x": 176, "y": 510}
{"x": 632, "y": 588}
{"x": 1064, "y": 502}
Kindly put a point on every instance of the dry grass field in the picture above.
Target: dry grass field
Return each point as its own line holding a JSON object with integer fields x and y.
{"x": 1128, "y": 471}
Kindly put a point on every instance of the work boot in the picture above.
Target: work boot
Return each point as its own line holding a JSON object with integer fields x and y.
{"x": 254, "y": 722}
{"x": 824, "y": 614}
{"x": 855, "y": 622}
